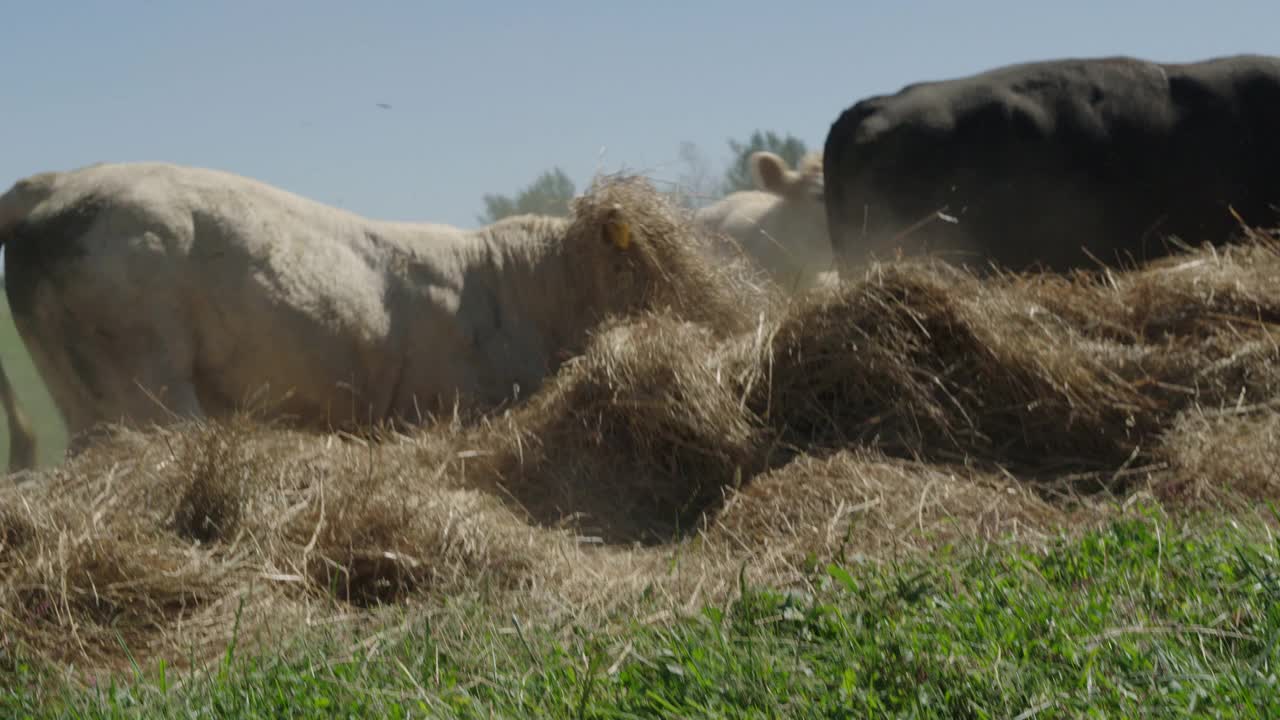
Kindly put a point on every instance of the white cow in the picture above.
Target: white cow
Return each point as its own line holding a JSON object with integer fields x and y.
{"x": 781, "y": 225}
{"x": 147, "y": 292}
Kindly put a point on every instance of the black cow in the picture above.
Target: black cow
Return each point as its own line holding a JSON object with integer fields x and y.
{"x": 1058, "y": 164}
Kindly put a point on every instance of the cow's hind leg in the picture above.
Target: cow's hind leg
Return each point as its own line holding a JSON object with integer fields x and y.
{"x": 101, "y": 376}
{"x": 146, "y": 400}
{"x": 175, "y": 404}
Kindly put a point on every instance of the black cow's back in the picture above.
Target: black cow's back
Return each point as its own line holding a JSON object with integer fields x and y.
{"x": 1039, "y": 159}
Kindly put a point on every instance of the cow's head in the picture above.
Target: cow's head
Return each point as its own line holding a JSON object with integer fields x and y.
{"x": 771, "y": 174}
{"x": 790, "y": 237}
{"x": 641, "y": 255}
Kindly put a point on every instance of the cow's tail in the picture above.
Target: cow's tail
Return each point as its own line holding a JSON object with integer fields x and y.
{"x": 15, "y": 205}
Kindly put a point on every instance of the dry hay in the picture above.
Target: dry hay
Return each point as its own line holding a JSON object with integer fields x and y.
{"x": 674, "y": 254}
{"x": 636, "y": 438}
{"x": 860, "y": 502}
{"x": 921, "y": 362}
{"x": 136, "y": 538}
{"x": 1222, "y": 459}
{"x": 1041, "y": 374}
{"x": 884, "y": 416}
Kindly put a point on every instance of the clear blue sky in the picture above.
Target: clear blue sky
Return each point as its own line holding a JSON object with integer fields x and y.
{"x": 485, "y": 96}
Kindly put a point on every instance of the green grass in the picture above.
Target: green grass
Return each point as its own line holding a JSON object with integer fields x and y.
{"x": 1142, "y": 618}
{"x": 51, "y": 434}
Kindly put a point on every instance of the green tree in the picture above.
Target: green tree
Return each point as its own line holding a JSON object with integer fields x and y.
{"x": 738, "y": 176}
{"x": 549, "y": 194}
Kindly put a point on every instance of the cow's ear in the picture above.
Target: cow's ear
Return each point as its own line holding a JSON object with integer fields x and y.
{"x": 769, "y": 172}
{"x": 616, "y": 230}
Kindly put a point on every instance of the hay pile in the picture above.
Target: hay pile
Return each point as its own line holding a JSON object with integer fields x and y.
{"x": 888, "y": 415}
{"x": 166, "y": 533}
{"x": 1041, "y": 375}
{"x": 675, "y": 253}
{"x": 860, "y": 503}
{"x": 638, "y": 436}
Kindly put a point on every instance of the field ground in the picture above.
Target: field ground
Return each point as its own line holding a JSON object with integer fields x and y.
{"x": 920, "y": 494}
{"x": 35, "y": 400}
{"x": 1142, "y": 617}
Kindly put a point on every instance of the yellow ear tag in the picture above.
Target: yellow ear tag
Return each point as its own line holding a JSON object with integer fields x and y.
{"x": 620, "y": 234}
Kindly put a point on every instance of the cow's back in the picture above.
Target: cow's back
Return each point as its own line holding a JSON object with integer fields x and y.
{"x": 242, "y": 283}
{"x": 1035, "y": 160}
{"x": 145, "y": 228}
{"x": 1228, "y": 133}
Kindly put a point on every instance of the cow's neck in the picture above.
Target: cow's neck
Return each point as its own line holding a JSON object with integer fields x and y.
{"x": 539, "y": 278}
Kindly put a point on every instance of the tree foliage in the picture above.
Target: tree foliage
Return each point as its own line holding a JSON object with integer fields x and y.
{"x": 697, "y": 185}
{"x": 549, "y": 194}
